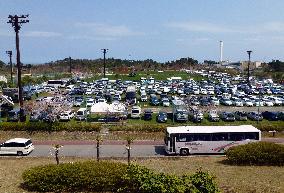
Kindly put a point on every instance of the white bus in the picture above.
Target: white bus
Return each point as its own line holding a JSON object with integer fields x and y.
{"x": 185, "y": 140}
{"x": 56, "y": 83}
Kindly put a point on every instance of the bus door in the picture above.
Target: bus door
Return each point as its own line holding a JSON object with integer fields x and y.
{"x": 172, "y": 143}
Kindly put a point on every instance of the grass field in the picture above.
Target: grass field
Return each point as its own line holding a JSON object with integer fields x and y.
{"x": 229, "y": 178}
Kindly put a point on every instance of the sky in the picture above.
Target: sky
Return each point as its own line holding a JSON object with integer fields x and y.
{"x": 162, "y": 30}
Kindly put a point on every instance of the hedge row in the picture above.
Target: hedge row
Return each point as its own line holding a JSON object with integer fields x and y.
{"x": 112, "y": 177}
{"x": 258, "y": 153}
{"x": 141, "y": 127}
{"x": 40, "y": 126}
{"x": 86, "y": 126}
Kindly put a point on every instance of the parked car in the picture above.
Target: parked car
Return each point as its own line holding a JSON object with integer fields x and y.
{"x": 226, "y": 102}
{"x": 81, "y": 114}
{"x": 255, "y": 116}
{"x": 14, "y": 115}
{"x": 90, "y": 102}
{"x": 162, "y": 117}
{"x": 213, "y": 116}
{"x": 35, "y": 116}
{"x": 241, "y": 116}
{"x": 135, "y": 112}
{"x": 271, "y": 116}
{"x": 181, "y": 115}
{"x": 66, "y": 116}
{"x": 144, "y": 97}
{"x": 227, "y": 116}
{"x": 154, "y": 100}
{"x": 17, "y": 146}
{"x": 165, "y": 102}
{"x": 148, "y": 114}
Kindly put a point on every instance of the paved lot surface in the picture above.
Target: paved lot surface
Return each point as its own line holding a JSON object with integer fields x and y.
{"x": 116, "y": 151}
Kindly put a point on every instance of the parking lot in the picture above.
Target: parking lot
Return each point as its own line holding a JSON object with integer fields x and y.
{"x": 215, "y": 94}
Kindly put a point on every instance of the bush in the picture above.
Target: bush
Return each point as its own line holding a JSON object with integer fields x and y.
{"x": 41, "y": 126}
{"x": 141, "y": 128}
{"x": 79, "y": 176}
{"x": 112, "y": 177}
{"x": 142, "y": 180}
{"x": 258, "y": 153}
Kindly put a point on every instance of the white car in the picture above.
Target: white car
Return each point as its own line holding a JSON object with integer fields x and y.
{"x": 165, "y": 102}
{"x": 258, "y": 102}
{"x": 144, "y": 98}
{"x": 17, "y": 146}
{"x": 215, "y": 101}
{"x": 90, "y": 102}
{"x": 135, "y": 112}
{"x": 213, "y": 116}
{"x": 248, "y": 103}
{"x": 66, "y": 116}
{"x": 89, "y": 91}
{"x": 203, "y": 91}
{"x": 196, "y": 91}
{"x": 268, "y": 103}
{"x": 238, "y": 103}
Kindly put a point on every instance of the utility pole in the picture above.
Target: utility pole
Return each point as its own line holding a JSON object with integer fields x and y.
{"x": 70, "y": 65}
{"x": 16, "y": 22}
{"x": 11, "y": 65}
{"x": 104, "y": 51}
{"x": 249, "y": 53}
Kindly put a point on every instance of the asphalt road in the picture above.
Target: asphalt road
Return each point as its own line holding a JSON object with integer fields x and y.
{"x": 116, "y": 151}
{"x": 108, "y": 149}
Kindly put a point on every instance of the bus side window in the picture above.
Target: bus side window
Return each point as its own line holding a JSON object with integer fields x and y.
{"x": 253, "y": 136}
{"x": 182, "y": 138}
{"x": 220, "y": 137}
{"x": 237, "y": 136}
{"x": 204, "y": 137}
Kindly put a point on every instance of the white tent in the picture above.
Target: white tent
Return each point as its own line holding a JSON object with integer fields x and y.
{"x": 100, "y": 107}
{"x": 103, "y": 107}
{"x": 117, "y": 107}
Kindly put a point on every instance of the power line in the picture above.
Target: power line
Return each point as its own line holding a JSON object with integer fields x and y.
{"x": 104, "y": 51}
{"x": 17, "y": 22}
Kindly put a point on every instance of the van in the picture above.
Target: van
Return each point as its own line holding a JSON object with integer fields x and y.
{"x": 81, "y": 114}
{"x": 135, "y": 112}
{"x": 17, "y": 146}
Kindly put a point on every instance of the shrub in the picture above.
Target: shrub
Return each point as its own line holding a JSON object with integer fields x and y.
{"x": 258, "y": 153}
{"x": 142, "y": 180}
{"x": 41, "y": 126}
{"x": 79, "y": 176}
{"x": 141, "y": 127}
{"x": 112, "y": 177}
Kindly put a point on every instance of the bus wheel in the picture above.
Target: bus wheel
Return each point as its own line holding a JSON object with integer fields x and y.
{"x": 184, "y": 152}
{"x": 20, "y": 153}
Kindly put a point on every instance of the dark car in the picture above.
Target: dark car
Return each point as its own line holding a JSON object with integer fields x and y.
{"x": 154, "y": 101}
{"x": 281, "y": 116}
{"x": 148, "y": 114}
{"x": 255, "y": 116}
{"x": 162, "y": 117}
{"x": 35, "y": 116}
{"x": 14, "y": 115}
{"x": 271, "y": 116}
{"x": 227, "y": 116}
{"x": 241, "y": 116}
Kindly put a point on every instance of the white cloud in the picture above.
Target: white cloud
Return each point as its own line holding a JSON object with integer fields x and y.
{"x": 200, "y": 27}
{"x": 205, "y": 27}
{"x": 44, "y": 34}
{"x": 89, "y": 37}
{"x": 106, "y": 30}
